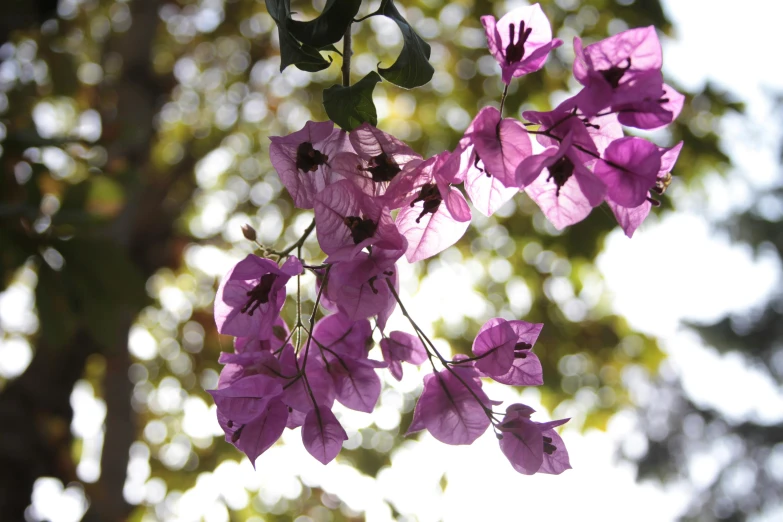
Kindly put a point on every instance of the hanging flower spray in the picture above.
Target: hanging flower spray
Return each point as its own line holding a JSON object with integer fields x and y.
{"x": 376, "y": 200}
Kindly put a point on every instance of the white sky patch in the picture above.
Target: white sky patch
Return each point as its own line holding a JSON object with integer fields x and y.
{"x": 681, "y": 269}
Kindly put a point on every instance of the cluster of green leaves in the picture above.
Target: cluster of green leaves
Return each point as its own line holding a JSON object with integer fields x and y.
{"x": 301, "y": 45}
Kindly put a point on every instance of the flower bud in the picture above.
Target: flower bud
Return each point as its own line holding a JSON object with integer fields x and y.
{"x": 249, "y": 232}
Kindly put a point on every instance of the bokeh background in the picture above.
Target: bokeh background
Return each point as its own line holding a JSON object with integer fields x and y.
{"x": 133, "y": 146}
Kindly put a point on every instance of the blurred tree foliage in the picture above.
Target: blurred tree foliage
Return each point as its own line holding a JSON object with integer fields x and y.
{"x": 133, "y": 140}
{"x": 748, "y": 479}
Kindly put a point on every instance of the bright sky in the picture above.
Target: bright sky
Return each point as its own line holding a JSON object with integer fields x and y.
{"x": 698, "y": 276}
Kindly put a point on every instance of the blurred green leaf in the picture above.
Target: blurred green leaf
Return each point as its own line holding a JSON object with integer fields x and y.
{"x": 351, "y": 106}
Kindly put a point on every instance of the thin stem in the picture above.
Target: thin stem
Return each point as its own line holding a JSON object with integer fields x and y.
{"x": 299, "y": 242}
{"x": 503, "y": 99}
{"x": 444, "y": 362}
{"x": 312, "y": 316}
{"x": 347, "y": 56}
{"x": 366, "y": 17}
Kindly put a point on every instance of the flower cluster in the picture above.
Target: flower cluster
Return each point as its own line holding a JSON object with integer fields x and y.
{"x": 376, "y": 200}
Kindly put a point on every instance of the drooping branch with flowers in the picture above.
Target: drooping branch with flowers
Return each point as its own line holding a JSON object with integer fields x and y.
{"x": 375, "y": 200}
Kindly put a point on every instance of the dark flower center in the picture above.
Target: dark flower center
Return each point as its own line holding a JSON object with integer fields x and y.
{"x": 382, "y": 168}
{"x": 516, "y": 51}
{"x": 521, "y": 349}
{"x": 309, "y": 159}
{"x": 430, "y": 195}
{"x": 615, "y": 73}
{"x": 476, "y": 165}
{"x": 235, "y": 436}
{"x": 560, "y": 172}
{"x": 259, "y": 294}
{"x": 361, "y": 229}
{"x": 549, "y": 448}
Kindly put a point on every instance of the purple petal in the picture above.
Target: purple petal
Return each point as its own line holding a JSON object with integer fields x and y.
{"x": 531, "y": 167}
{"x": 260, "y": 434}
{"x": 304, "y": 185}
{"x": 486, "y": 192}
{"x": 558, "y": 461}
{"x": 570, "y": 207}
{"x": 343, "y": 336}
{"x": 296, "y": 395}
{"x": 522, "y": 445}
{"x": 246, "y": 398}
{"x": 494, "y": 344}
{"x": 501, "y": 144}
{"x": 322, "y": 434}
{"x": 358, "y": 386}
{"x": 629, "y": 219}
{"x": 523, "y": 372}
{"x": 630, "y": 170}
{"x": 432, "y": 234}
{"x": 455, "y": 203}
{"x": 404, "y": 347}
{"x": 449, "y": 411}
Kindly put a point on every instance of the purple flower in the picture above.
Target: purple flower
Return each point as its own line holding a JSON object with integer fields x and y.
{"x": 402, "y": 347}
{"x": 434, "y": 215}
{"x": 302, "y": 159}
{"x": 452, "y": 408}
{"x": 504, "y": 351}
{"x": 563, "y": 163}
{"x": 347, "y": 221}
{"x": 532, "y": 447}
{"x": 358, "y": 288}
{"x": 250, "y": 413}
{"x": 251, "y": 295}
{"x": 486, "y": 191}
{"x": 525, "y": 369}
{"x": 520, "y": 41}
{"x": 621, "y": 70}
{"x": 379, "y": 157}
{"x": 630, "y": 218}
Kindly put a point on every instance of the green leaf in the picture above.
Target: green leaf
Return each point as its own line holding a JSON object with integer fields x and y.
{"x": 412, "y": 68}
{"x": 330, "y": 25}
{"x": 304, "y": 57}
{"x": 351, "y": 106}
